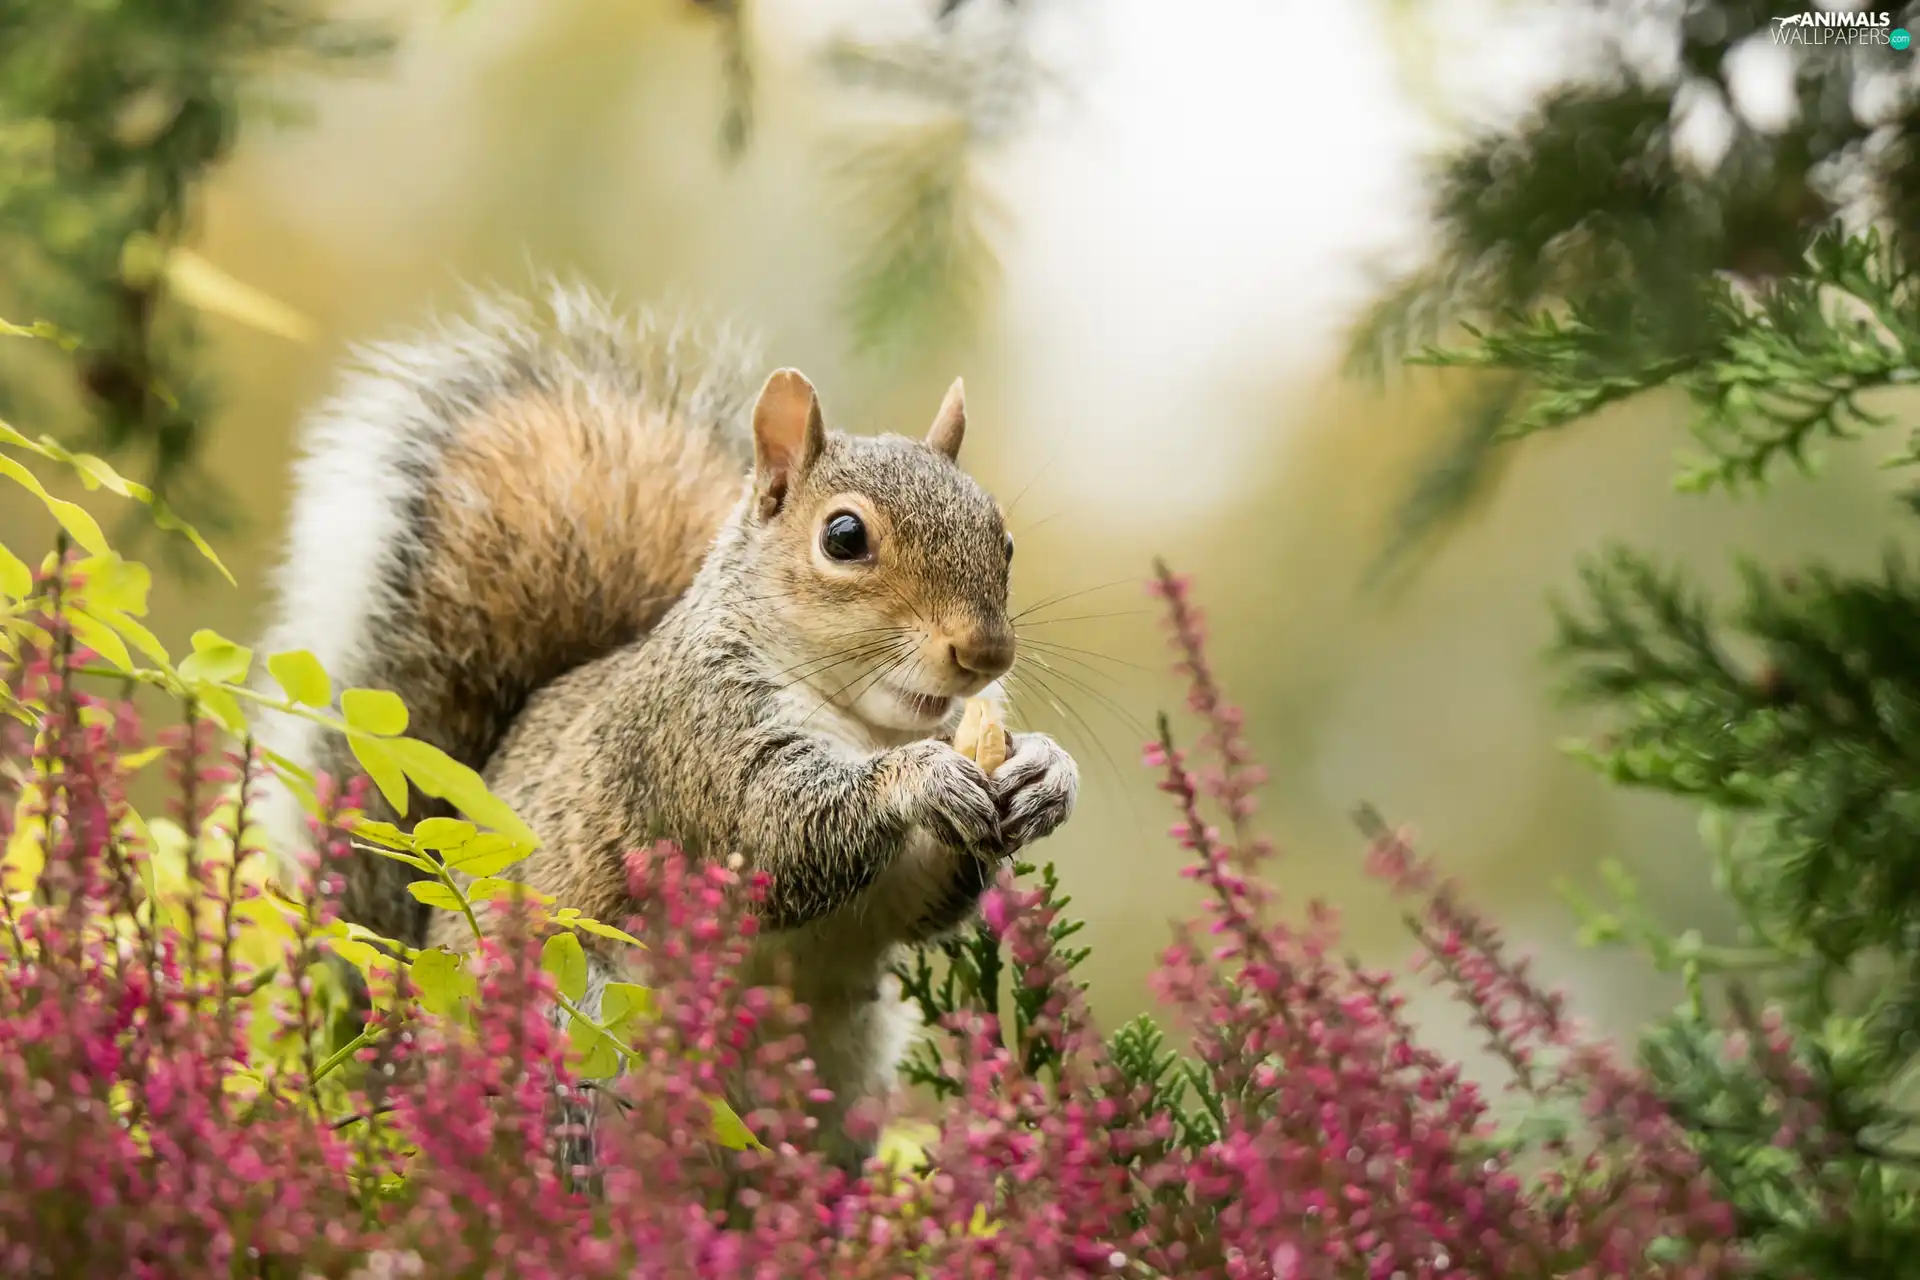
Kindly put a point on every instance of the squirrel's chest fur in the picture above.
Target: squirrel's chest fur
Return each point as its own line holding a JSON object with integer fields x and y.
{"x": 603, "y": 761}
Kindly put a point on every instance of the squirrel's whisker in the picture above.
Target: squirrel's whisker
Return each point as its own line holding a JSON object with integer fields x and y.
{"x": 1019, "y": 681}
{"x": 1027, "y": 487}
{"x": 1089, "y": 617}
{"x": 1065, "y": 596}
{"x": 1078, "y": 655}
{"x": 817, "y": 666}
{"x": 1105, "y": 700}
{"x": 903, "y": 598}
{"x": 879, "y": 671}
{"x": 1043, "y": 521}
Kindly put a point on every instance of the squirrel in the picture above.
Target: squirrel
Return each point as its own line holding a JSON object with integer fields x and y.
{"x": 647, "y": 603}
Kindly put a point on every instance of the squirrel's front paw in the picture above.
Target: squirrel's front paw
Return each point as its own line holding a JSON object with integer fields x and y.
{"x": 1034, "y": 790}
{"x": 951, "y": 796}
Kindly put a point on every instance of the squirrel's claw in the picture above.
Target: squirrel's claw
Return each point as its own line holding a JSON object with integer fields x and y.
{"x": 1034, "y": 791}
{"x": 953, "y": 798}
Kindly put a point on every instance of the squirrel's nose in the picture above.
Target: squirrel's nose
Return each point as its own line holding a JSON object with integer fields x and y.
{"x": 984, "y": 653}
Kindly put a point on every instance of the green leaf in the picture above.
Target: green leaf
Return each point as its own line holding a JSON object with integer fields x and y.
{"x": 435, "y": 894}
{"x": 380, "y": 765}
{"x": 563, "y": 958}
{"x": 376, "y": 711}
{"x": 439, "y": 774}
{"x": 302, "y": 677}
{"x": 442, "y": 833}
{"x": 216, "y": 659}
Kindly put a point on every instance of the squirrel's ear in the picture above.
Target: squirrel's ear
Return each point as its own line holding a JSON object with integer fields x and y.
{"x": 788, "y": 435}
{"x": 950, "y": 424}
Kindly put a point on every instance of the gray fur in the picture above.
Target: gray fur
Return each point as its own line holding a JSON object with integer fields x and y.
{"x": 745, "y": 707}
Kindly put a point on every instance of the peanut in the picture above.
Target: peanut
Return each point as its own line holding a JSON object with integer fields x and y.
{"x": 981, "y": 737}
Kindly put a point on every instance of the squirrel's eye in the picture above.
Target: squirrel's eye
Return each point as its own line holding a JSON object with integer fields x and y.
{"x": 1009, "y": 548}
{"x": 844, "y": 537}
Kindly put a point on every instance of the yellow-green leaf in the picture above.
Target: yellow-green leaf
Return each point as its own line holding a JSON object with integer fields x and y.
{"x": 26, "y": 854}
{"x": 624, "y": 1002}
{"x": 563, "y": 958}
{"x": 903, "y": 1144}
{"x": 223, "y": 708}
{"x": 216, "y": 659}
{"x": 96, "y": 473}
{"x": 265, "y": 914}
{"x": 595, "y": 1058}
{"x": 382, "y": 833}
{"x": 135, "y": 634}
{"x": 729, "y": 1130}
{"x": 43, "y": 329}
{"x": 439, "y": 774}
{"x": 377, "y": 711}
{"x": 99, "y": 637}
{"x": 606, "y": 931}
{"x": 443, "y": 834}
{"x": 197, "y": 281}
{"x": 16, "y": 576}
{"x": 135, "y": 761}
{"x": 359, "y": 954}
{"x": 33, "y": 635}
{"x": 488, "y": 853}
{"x": 378, "y": 761}
{"x": 164, "y": 518}
{"x": 73, "y": 519}
{"x": 108, "y": 583}
{"x": 360, "y": 933}
{"x": 302, "y": 677}
{"x": 443, "y": 981}
{"x": 489, "y": 889}
{"x": 435, "y": 894}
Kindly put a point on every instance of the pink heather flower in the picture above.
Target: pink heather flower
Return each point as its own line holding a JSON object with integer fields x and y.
{"x": 1330, "y": 1142}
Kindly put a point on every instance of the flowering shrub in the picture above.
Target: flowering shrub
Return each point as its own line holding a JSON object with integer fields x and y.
{"x": 186, "y": 1087}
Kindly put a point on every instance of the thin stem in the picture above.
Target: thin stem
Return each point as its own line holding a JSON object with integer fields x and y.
{"x": 366, "y": 1037}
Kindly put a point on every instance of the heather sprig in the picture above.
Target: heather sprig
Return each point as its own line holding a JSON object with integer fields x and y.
{"x": 189, "y": 1084}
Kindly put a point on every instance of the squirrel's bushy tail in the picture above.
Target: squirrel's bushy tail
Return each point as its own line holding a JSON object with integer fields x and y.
{"x": 487, "y": 505}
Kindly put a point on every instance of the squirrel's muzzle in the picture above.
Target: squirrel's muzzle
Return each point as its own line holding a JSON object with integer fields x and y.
{"x": 987, "y": 654}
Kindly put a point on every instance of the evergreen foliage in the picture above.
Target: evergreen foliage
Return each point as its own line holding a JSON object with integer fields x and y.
{"x": 111, "y": 116}
{"x": 114, "y": 115}
{"x": 1588, "y": 259}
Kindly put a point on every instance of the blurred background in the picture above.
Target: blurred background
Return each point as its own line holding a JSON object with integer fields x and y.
{"x": 1143, "y": 233}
